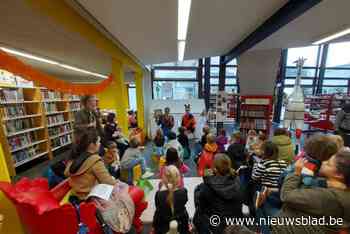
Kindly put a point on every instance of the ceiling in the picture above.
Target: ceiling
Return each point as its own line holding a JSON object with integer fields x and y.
{"x": 326, "y": 18}
{"x": 24, "y": 29}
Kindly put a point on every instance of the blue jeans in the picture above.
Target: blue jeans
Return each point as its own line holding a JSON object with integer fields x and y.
{"x": 269, "y": 208}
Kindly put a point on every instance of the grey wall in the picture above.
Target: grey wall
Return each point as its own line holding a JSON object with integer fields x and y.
{"x": 147, "y": 96}
{"x": 257, "y": 71}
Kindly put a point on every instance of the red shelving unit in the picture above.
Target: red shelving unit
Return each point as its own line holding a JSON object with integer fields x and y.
{"x": 256, "y": 113}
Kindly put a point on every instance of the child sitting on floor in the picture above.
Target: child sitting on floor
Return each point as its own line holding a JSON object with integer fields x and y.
{"x": 183, "y": 140}
{"x": 174, "y": 143}
{"x": 206, "y": 157}
{"x": 111, "y": 159}
{"x": 252, "y": 139}
{"x": 158, "y": 142}
{"x": 221, "y": 141}
{"x": 172, "y": 158}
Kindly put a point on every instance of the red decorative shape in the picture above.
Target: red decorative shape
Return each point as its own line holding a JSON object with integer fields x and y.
{"x": 205, "y": 162}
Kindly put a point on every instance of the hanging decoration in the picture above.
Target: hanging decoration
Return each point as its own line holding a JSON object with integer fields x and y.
{"x": 17, "y": 67}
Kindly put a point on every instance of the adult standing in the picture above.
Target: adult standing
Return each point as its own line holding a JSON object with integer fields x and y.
{"x": 342, "y": 123}
{"x": 87, "y": 117}
{"x": 188, "y": 120}
{"x": 166, "y": 121}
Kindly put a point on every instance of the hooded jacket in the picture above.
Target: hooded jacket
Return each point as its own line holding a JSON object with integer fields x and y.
{"x": 91, "y": 172}
{"x": 219, "y": 195}
{"x": 343, "y": 118}
{"x": 285, "y": 147}
{"x": 314, "y": 202}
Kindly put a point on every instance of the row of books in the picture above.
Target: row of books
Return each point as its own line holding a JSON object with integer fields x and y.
{"x": 11, "y": 95}
{"x": 14, "y": 126}
{"x": 59, "y": 129}
{"x": 74, "y": 97}
{"x": 13, "y": 111}
{"x": 53, "y": 119}
{"x": 48, "y": 94}
{"x": 249, "y": 113}
{"x": 50, "y": 107}
{"x": 22, "y": 155}
{"x": 62, "y": 140}
{"x": 22, "y": 140}
{"x": 258, "y": 124}
{"x": 74, "y": 105}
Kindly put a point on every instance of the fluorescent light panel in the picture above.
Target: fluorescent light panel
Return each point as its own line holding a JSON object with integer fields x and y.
{"x": 33, "y": 57}
{"x": 183, "y": 15}
{"x": 332, "y": 37}
{"x": 181, "y": 50}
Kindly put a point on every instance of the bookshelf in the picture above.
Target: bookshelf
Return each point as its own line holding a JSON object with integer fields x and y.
{"x": 256, "y": 113}
{"x": 36, "y": 122}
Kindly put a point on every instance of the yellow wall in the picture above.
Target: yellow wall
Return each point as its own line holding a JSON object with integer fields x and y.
{"x": 11, "y": 223}
{"x": 116, "y": 97}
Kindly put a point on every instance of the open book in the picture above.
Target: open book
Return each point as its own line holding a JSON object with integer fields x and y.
{"x": 103, "y": 191}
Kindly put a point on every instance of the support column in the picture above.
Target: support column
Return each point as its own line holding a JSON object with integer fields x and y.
{"x": 222, "y": 74}
{"x": 139, "y": 100}
{"x": 207, "y": 82}
{"x": 116, "y": 97}
{"x": 11, "y": 223}
{"x": 200, "y": 78}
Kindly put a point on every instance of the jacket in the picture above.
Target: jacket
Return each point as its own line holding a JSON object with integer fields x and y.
{"x": 183, "y": 140}
{"x": 83, "y": 118}
{"x": 90, "y": 173}
{"x": 219, "y": 195}
{"x": 189, "y": 122}
{"x": 163, "y": 214}
{"x": 129, "y": 156}
{"x": 238, "y": 154}
{"x": 298, "y": 202}
{"x": 285, "y": 147}
{"x": 342, "y": 120}
{"x": 176, "y": 145}
{"x": 221, "y": 141}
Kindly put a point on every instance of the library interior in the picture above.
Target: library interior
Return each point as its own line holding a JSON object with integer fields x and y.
{"x": 174, "y": 116}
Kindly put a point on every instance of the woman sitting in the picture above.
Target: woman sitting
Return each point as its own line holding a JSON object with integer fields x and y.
{"x": 86, "y": 169}
{"x": 170, "y": 203}
{"x": 112, "y": 133}
{"x": 174, "y": 143}
{"x": 220, "y": 195}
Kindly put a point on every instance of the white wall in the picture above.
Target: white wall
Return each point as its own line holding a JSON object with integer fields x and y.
{"x": 147, "y": 96}
{"x": 257, "y": 71}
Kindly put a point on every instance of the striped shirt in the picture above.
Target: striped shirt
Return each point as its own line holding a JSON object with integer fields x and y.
{"x": 267, "y": 172}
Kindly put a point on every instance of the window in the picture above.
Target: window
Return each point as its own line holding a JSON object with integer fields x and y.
{"x": 331, "y": 90}
{"x": 331, "y": 73}
{"x": 215, "y": 60}
{"x": 303, "y": 81}
{"x": 175, "y": 74}
{"x": 175, "y": 90}
{"x": 132, "y": 97}
{"x": 334, "y": 82}
{"x": 231, "y": 71}
{"x": 306, "y": 72}
{"x": 310, "y": 53}
{"x": 214, "y": 71}
{"x": 187, "y": 63}
{"x": 339, "y": 55}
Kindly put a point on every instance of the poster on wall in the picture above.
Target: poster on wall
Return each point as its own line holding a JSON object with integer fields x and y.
{"x": 167, "y": 90}
{"x": 221, "y": 106}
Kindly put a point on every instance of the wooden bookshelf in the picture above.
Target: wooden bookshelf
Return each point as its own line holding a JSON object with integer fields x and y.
{"x": 36, "y": 122}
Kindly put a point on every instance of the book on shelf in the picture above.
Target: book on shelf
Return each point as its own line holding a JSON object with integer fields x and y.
{"x": 60, "y": 141}
{"x": 59, "y": 129}
{"x": 22, "y": 140}
{"x": 11, "y": 95}
{"x": 48, "y": 94}
{"x": 50, "y": 107}
{"x": 55, "y": 119}
{"x": 13, "y": 126}
{"x": 258, "y": 124}
{"x": 74, "y": 105}
{"x": 23, "y": 155}
{"x": 13, "y": 111}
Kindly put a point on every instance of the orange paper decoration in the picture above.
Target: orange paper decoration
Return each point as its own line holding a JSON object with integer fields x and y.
{"x": 17, "y": 67}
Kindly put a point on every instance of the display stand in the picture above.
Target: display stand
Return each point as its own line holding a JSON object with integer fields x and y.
{"x": 256, "y": 113}
{"x": 35, "y": 123}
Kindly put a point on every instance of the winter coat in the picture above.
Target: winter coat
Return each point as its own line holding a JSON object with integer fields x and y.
{"x": 218, "y": 195}
{"x": 163, "y": 214}
{"x": 311, "y": 202}
{"x": 285, "y": 147}
{"x": 91, "y": 172}
{"x": 238, "y": 154}
{"x": 221, "y": 141}
{"x": 343, "y": 119}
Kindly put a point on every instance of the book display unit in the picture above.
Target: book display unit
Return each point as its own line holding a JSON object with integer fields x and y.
{"x": 256, "y": 113}
{"x": 36, "y": 122}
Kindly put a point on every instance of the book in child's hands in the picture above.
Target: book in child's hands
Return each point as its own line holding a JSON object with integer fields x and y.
{"x": 103, "y": 191}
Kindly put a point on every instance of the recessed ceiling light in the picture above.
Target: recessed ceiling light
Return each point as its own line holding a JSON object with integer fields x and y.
{"x": 183, "y": 15}
{"x": 44, "y": 60}
{"x": 332, "y": 37}
{"x": 181, "y": 50}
